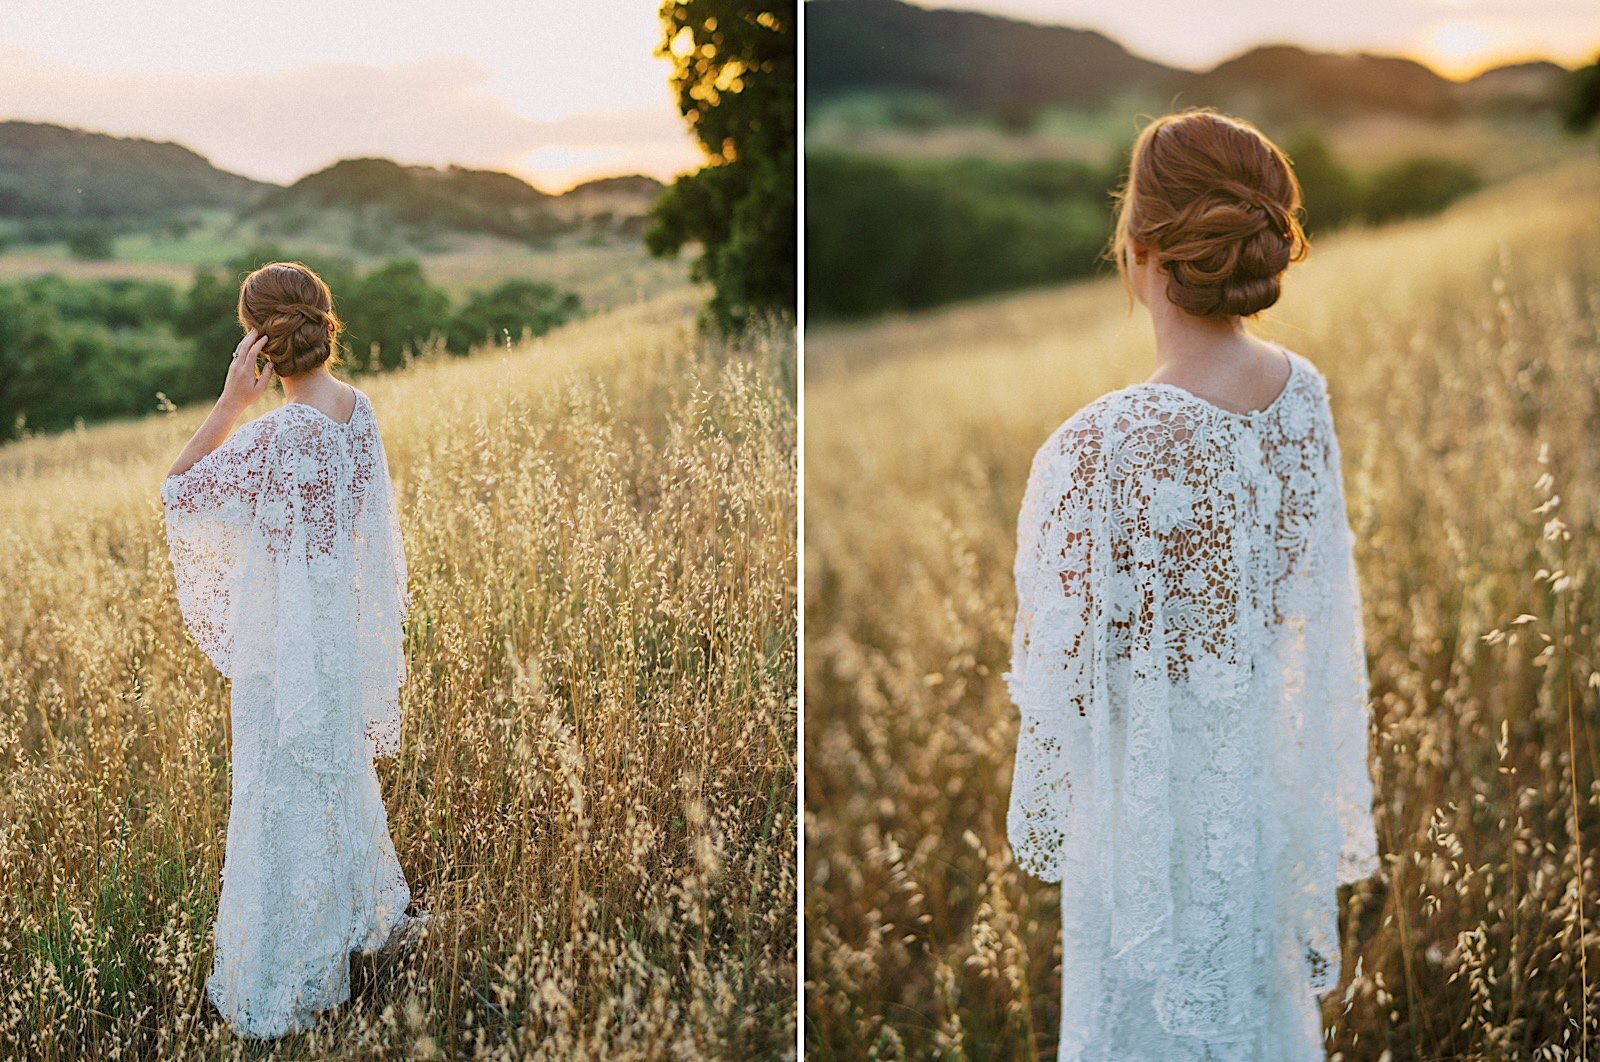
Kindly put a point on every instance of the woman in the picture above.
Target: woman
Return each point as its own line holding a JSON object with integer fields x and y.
{"x": 1188, "y": 660}
{"x": 291, "y": 578}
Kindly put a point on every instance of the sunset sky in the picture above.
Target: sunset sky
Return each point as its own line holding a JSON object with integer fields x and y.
{"x": 1456, "y": 37}
{"x": 550, "y": 89}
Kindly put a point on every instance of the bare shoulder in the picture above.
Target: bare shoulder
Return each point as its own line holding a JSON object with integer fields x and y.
{"x": 1305, "y": 369}
{"x": 363, "y": 404}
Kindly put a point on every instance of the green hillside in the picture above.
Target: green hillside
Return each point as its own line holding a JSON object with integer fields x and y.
{"x": 55, "y": 172}
{"x": 970, "y": 63}
{"x": 421, "y": 198}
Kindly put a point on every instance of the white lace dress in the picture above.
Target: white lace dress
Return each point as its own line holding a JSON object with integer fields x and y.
{"x": 1192, "y": 759}
{"x": 291, "y": 577}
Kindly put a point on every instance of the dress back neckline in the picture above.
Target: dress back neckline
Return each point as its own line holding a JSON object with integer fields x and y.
{"x": 1241, "y": 414}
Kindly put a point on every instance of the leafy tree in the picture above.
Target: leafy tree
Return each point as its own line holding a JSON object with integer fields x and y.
{"x": 393, "y": 308}
{"x": 30, "y": 348}
{"x": 91, "y": 349}
{"x": 734, "y": 75}
{"x": 514, "y": 307}
{"x": 1582, "y": 106}
{"x": 1333, "y": 195}
{"x": 1418, "y": 186}
{"x": 886, "y": 234}
{"x": 92, "y": 241}
{"x": 68, "y": 351}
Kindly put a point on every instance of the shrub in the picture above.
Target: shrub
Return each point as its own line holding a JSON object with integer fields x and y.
{"x": 515, "y": 307}
{"x": 886, "y": 235}
{"x": 1416, "y": 187}
{"x": 92, "y": 241}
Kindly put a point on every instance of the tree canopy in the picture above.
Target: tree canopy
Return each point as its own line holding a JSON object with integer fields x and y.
{"x": 734, "y": 75}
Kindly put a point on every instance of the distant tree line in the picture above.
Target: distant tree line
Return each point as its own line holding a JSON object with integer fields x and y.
{"x": 1337, "y": 196}
{"x": 886, "y": 234}
{"x": 87, "y": 350}
{"x": 92, "y": 239}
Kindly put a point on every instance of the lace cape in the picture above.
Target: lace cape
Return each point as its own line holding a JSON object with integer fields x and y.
{"x": 1189, "y": 667}
{"x": 286, "y": 548}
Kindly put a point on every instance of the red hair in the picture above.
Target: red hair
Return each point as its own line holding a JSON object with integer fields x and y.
{"x": 289, "y": 304}
{"x": 1219, "y": 206}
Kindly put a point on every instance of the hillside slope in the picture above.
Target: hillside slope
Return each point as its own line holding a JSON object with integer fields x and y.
{"x": 595, "y": 790}
{"x": 422, "y": 197}
{"x": 966, "y": 58}
{"x": 424, "y": 200}
{"x": 975, "y": 62}
{"x": 55, "y": 171}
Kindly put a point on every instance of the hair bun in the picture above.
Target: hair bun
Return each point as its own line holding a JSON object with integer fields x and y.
{"x": 1229, "y": 257}
{"x": 293, "y": 308}
{"x": 1217, "y": 202}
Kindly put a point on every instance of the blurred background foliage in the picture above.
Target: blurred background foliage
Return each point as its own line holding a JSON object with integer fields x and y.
{"x": 120, "y": 261}
{"x": 74, "y": 349}
{"x": 955, "y": 154}
{"x": 897, "y": 234}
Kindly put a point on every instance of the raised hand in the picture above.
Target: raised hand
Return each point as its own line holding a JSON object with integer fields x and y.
{"x": 244, "y": 384}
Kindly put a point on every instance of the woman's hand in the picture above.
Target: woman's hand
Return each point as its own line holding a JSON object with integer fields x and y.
{"x": 244, "y": 385}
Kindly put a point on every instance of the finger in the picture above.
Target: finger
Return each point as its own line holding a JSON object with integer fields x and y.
{"x": 265, "y": 379}
{"x": 259, "y": 345}
{"x": 244, "y": 343}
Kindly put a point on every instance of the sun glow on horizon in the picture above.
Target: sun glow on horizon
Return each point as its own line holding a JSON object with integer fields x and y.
{"x": 1460, "y": 48}
{"x": 1456, "y": 38}
{"x": 560, "y": 169}
{"x": 488, "y": 87}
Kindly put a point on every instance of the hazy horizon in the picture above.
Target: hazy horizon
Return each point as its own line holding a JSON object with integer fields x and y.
{"x": 525, "y": 88}
{"x": 1456, "y": 38}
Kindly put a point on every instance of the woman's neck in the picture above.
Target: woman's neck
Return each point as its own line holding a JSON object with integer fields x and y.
{"x": 1183, "y": 340}
{"x": 314, "y": 382}
{"x": 1216, "y": 358}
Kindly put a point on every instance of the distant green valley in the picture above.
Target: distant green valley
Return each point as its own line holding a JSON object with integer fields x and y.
{"x": 120, "y": 260}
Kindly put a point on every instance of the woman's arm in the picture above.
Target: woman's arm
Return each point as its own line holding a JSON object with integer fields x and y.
{"x": 242, "y": 387}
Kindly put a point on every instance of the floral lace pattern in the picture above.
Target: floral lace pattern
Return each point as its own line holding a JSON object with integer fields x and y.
{"x": 286, "y": 549}
{"x": 1192, "y": 759}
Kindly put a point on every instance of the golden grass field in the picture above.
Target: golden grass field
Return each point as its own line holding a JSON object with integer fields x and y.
{"x": 1464, "y": 362}
{"x": 596, "y": 786}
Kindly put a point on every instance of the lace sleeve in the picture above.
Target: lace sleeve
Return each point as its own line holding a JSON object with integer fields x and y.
{"x": 384, "y": 604}
{"x": 1052, "y": 675}
{"x": 1348, "y": 689}
{"x": 210, "y": 509}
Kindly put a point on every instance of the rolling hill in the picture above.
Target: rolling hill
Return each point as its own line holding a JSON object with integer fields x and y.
{"x": 61, "y": 177}
{"x": 423, "y": 197}
{"x": 55, "y": 171}
{"x": 423, "y": 202}
{"x": 974, "y": 62}
{"x": 964, "y": 58}
{"x": 1285, "y": 77}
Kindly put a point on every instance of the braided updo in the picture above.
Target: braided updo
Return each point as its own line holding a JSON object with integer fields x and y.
{"x": 1218, "y": 204}
{"x": 293, "y": 308}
